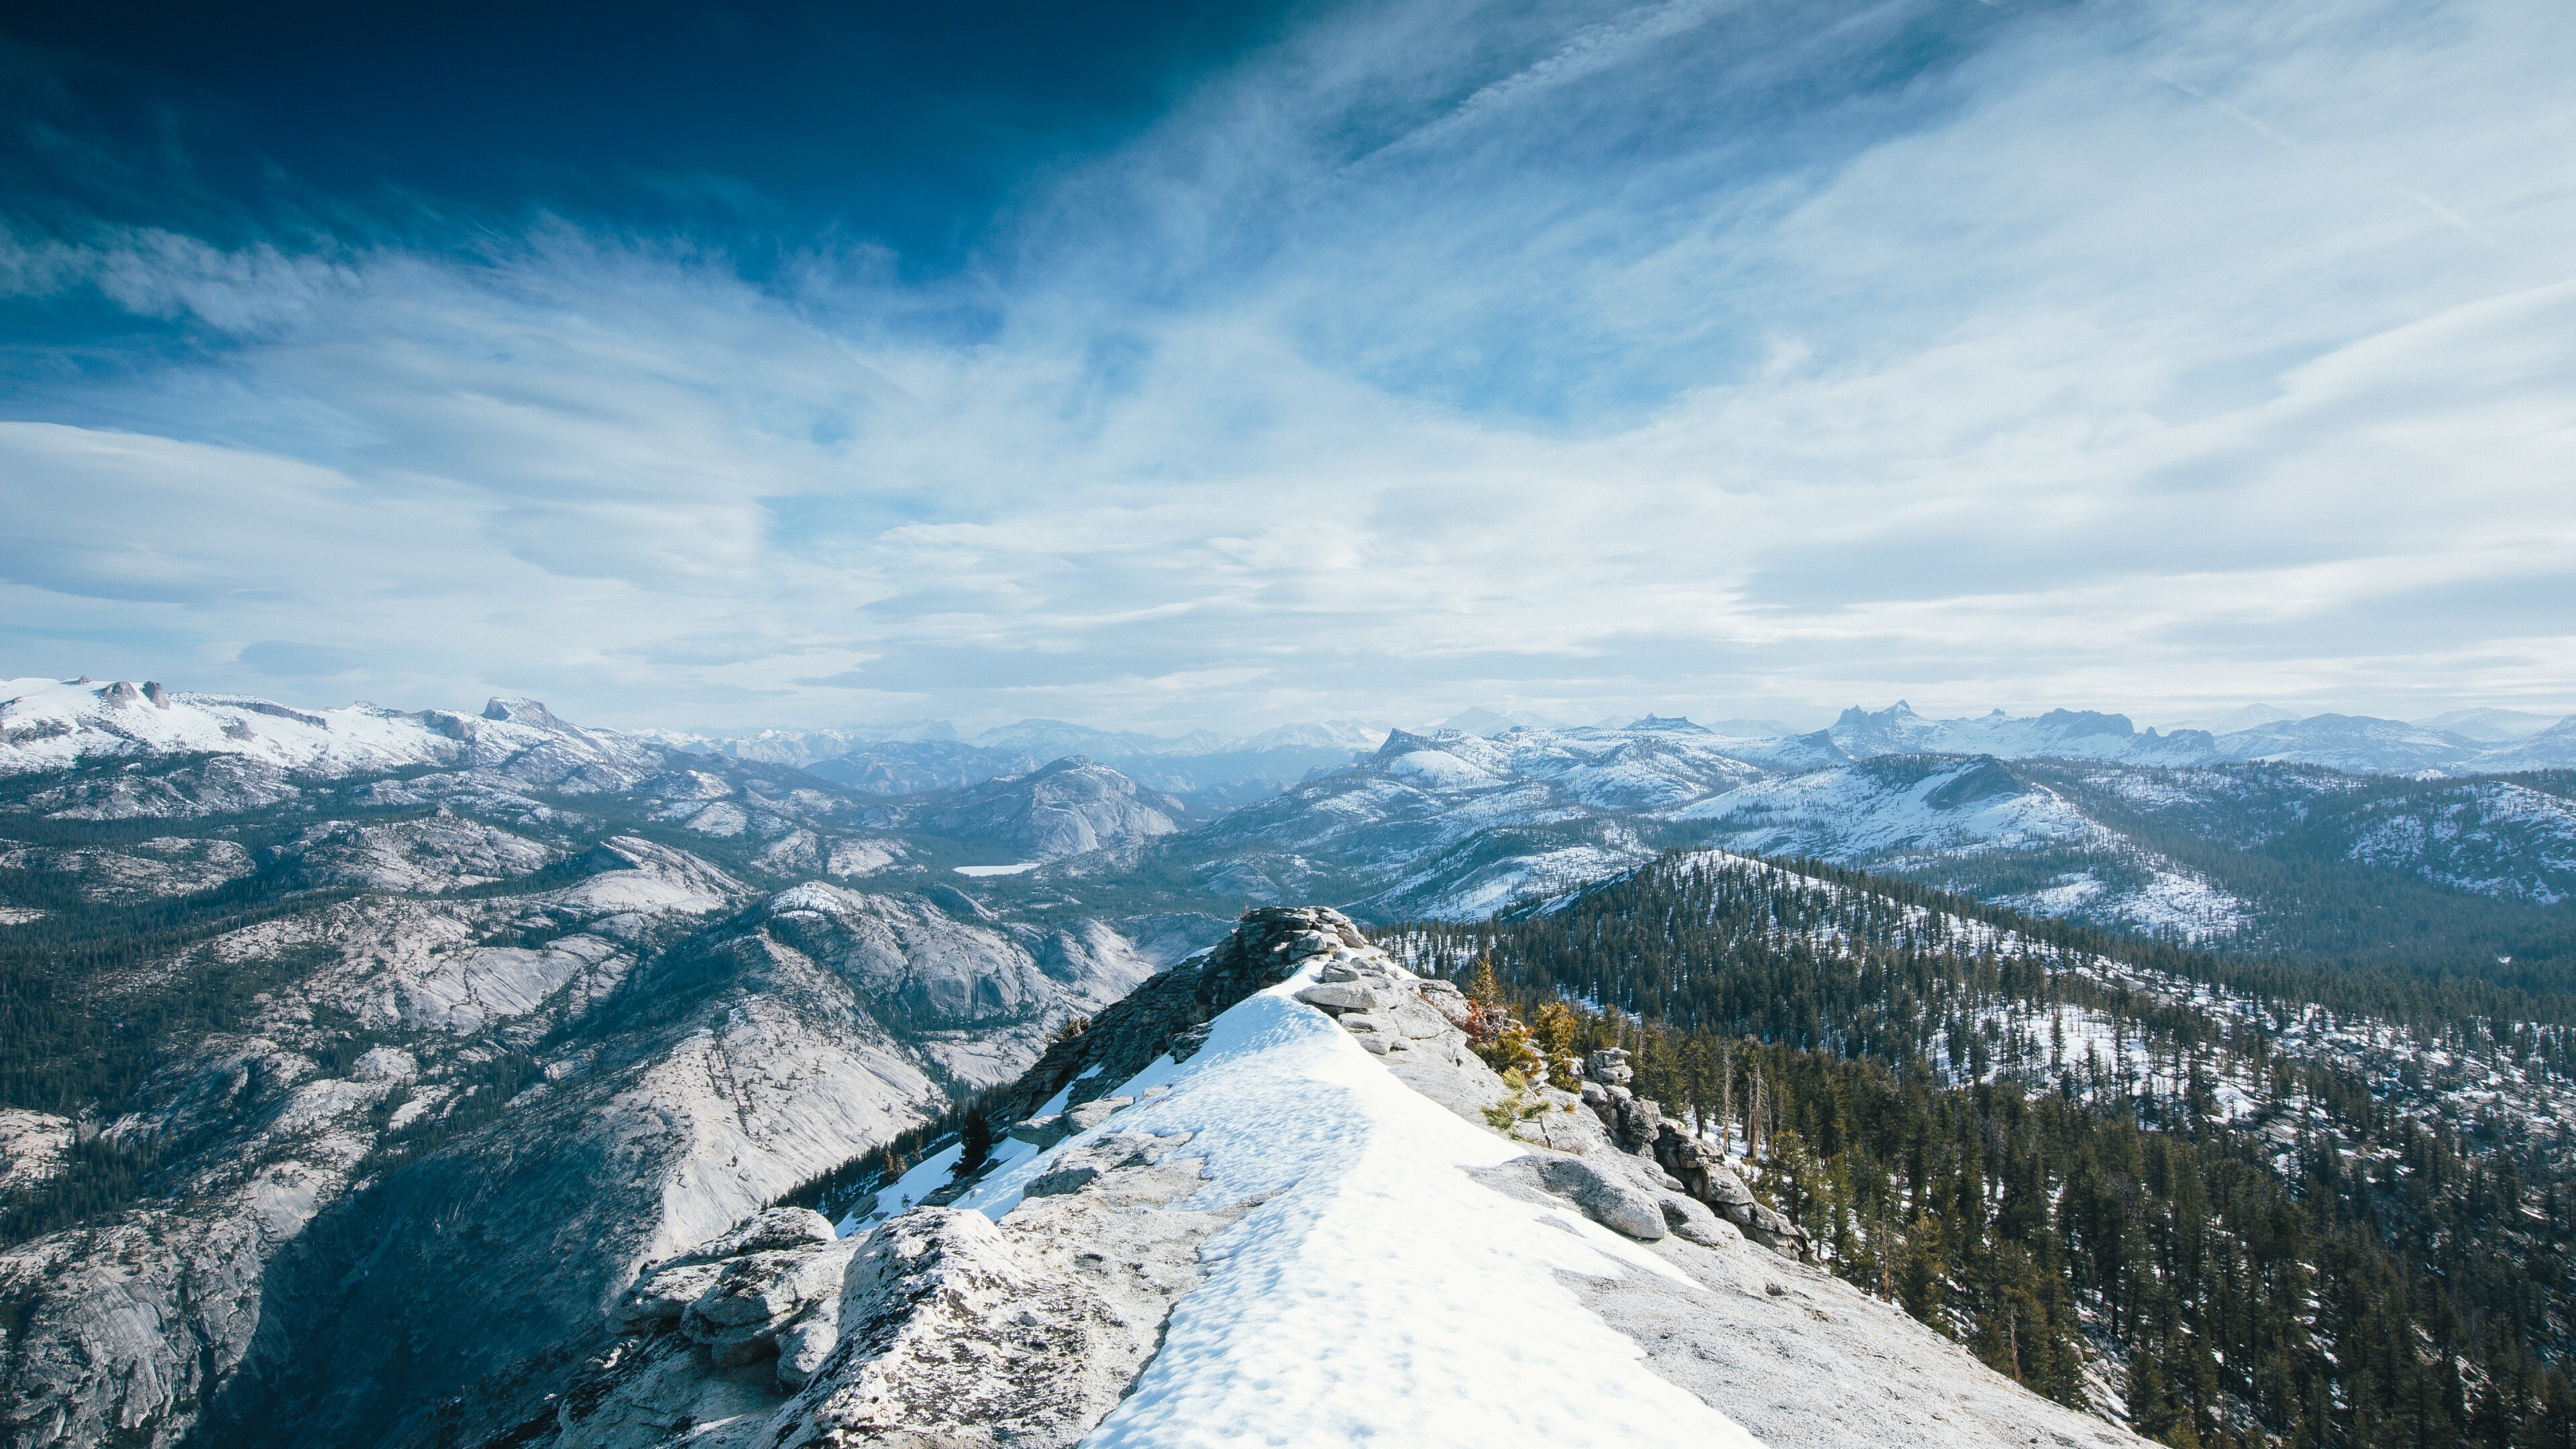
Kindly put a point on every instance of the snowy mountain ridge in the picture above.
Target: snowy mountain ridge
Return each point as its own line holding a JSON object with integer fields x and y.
{"x": 50, "y": 724}
{"x": 1446, "y": 823}
{"x": 1273, "y": 1197}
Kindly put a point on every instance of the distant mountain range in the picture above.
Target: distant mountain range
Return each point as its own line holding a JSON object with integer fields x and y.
{"x": 2304, "y": 859}
{"x": 2258, "y": 836}
{"x": 1231, "y": 770}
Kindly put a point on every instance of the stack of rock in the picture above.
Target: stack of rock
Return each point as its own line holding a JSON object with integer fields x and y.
{"x": 1637, "y": 1124}
{"x": 1384, "y": 1007}
{"x": 771, "y": 1285}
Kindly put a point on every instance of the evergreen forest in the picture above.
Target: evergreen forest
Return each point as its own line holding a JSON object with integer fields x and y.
{"x": 2234, "y": 1202}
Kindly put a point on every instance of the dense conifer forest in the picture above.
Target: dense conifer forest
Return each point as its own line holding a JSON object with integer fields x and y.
{"x": 2110, "y": 1168}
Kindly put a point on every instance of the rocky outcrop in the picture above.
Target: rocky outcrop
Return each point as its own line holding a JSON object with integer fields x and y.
{"x": 441, "y": 853}
{"x": 1637, "y": 1125}
{"x": 942, "y": 1327}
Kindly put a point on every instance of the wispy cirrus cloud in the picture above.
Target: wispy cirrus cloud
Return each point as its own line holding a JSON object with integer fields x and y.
{"x": 1673, "y": 356}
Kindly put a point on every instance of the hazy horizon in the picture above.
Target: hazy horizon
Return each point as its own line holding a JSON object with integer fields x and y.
{"x": 1798, "y": 720}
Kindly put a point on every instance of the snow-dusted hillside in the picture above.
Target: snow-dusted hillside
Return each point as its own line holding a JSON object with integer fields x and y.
{"x": 1070, "y": 807}
{"x": 2551, "y": 749}
{"x": 1460, "y": 824}
{"x": 1924, "y": 814}
{"x": 302, "y": 1003}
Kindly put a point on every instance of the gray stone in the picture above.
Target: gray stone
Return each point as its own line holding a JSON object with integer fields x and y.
{"x": 1040, "y": 1132}
{"x": 662, "y": 1297}
{"x": 1693, "y": 1222}
{"x": 1094, "y": 1112}
{"x": 806, "y": 1343}
{"x": 760, "y": 1291}
{"x": 1609, "y": 1067}
{"x": 1639, "y": 1121}
{"x": 1616, "y": 1205}
{"x": 1340, "y": 997}
{"x": 1062, "y": 1180}
{"x": 768, "y": 1230}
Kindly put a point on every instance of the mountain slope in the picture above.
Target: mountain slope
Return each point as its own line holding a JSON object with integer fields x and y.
{"x": 2224, "y": 1201}
{"x": 1236, "y": 1217}
{"x": 453, "y": 1046}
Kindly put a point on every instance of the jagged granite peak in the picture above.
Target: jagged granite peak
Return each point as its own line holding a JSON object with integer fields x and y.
{"x": 1309, "y": 1230}
{"x": 523, "y": 711}
{"x": 2055, "y": 734}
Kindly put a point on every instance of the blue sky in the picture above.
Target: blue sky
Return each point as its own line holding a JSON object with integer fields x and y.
{"x": 1176, "y": 366}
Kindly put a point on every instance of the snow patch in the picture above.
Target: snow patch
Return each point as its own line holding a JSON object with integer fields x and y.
{"x": 1374, "y": 1291}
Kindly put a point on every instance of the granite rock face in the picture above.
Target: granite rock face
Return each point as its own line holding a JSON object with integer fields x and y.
{"x": 940, "y": 1327}
{"x": 1070, "y": 807}
{"x": 495, "y": 1046}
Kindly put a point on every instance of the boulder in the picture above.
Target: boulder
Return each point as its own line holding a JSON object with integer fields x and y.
{"x": 1636, "y": 1121}
{"x": 806, "y": 1343}
{"x": 771, "y": 1228}
{"x": 1094, "y": 1112}
{"x": 1061, "y": 1181}
{"x": 1726, "y": 1192}
{"x": 661, "y": 1297}
{"x": 1040, "y": 1132}
{"x": 757, "y": 1295}
{"x": 1699, "y": 1167}
{"x": 1597, "y": 1099}
{"x": 1616, "y": 1205}
{"x": 1340, "y": 997}
{"x": 1609, "y": 1066}
{"x": 1693, "y": 1222}
{"x": 1446, "y": 999}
